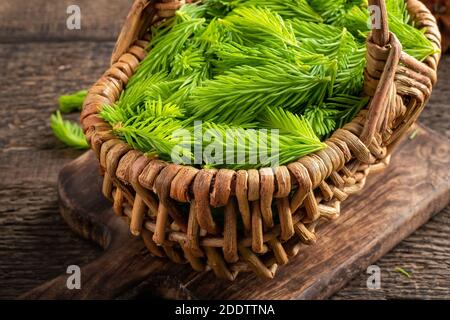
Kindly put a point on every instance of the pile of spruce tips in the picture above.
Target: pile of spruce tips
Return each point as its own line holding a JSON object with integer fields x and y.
{"x": 239, "y": 66}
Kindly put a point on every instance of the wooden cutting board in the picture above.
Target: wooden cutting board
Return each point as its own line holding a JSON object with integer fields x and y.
{"x": 393, "y": 204}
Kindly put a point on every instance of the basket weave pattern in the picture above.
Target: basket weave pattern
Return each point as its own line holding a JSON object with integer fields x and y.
{"x": 170, "y": 206}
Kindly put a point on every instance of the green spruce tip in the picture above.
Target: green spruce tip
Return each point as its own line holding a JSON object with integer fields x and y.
{"x": 68, "y": 132}
{"x": 278, "y": 147}
{"x": 72, "y": 102}
{"x": 149, "y": 127}
{"x": 333, "y": 11}
{"x": 299, "y": 9}
{"x": 240, "y": 94}
{"x": 334, "y": 113}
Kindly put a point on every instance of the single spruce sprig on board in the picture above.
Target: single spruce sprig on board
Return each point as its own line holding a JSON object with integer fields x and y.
{"x": 70, "y": 133}
{"x": 72, "y": 102}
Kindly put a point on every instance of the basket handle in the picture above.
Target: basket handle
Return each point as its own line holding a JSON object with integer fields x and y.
{"x": 130, "y": 30}
{"x": 383, "y": 39}
{"x": 380, "y": 29}
{"x": 142, "y": 15}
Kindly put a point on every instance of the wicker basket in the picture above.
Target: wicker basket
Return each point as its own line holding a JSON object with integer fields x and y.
{"x": 170, "y": 205}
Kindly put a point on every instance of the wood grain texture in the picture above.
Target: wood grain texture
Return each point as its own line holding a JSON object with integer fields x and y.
{"x": 424, "y": 255}
{"x": 394, "y": 203}
{"x": 44, "y": 20}
{"x": 35, "y": 243}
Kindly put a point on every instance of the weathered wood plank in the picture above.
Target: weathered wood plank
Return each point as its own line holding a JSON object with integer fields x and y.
{"x": 44, "y": 20}
{"x": 35, "y": 243}
{"x": 424, "y": 255}
{"x": 34, "y": 82}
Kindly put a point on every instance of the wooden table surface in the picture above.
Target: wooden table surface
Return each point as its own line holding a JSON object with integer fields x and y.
{"x": 41, "y": 59}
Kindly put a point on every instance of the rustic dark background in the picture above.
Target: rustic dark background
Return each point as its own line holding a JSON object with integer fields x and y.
{"x": 41, "y": 59}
